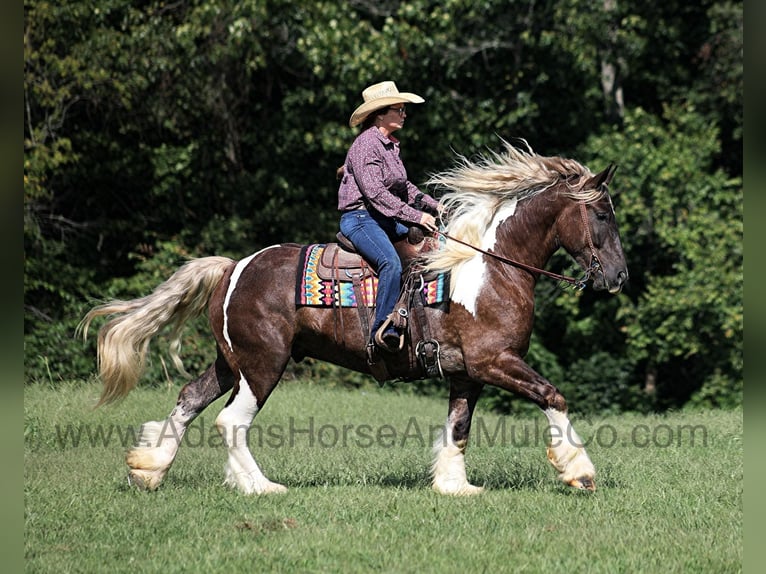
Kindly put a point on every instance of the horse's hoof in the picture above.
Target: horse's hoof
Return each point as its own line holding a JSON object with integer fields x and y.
{"x": 463, "y": 490}
{"x": 274, "y": 488}
{"x": 470, "y": 490}
{"x": 583, "y": 483}
{"x": 143, "y": 480}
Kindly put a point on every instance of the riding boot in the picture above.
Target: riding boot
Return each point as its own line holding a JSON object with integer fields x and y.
{"x": 387, "y": 338}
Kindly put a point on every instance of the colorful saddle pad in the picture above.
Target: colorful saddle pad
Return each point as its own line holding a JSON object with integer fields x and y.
{"x": 314, "y": 291}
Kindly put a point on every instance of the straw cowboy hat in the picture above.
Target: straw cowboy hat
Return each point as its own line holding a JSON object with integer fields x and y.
{"x": 379, "y": 96}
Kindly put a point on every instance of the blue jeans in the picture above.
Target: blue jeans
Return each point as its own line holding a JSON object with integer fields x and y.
{"x": 373, "y": 234}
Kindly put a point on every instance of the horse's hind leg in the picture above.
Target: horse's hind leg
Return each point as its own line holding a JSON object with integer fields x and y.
{"x": 242, "y": 471}
{"x": 448, "y": 469}
{"x": 150, "y": 460}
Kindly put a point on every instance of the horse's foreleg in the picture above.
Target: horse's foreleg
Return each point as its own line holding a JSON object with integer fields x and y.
{"x": 448, "y": 469}
{"x": 566, "y": 451}
{"x": 158, "y": 442}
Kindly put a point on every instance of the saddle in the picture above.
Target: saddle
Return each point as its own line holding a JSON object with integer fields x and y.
{"x": 341, "y": 262}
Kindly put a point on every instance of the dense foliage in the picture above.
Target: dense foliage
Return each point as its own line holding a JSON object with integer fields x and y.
{"x": 156, "y": 131}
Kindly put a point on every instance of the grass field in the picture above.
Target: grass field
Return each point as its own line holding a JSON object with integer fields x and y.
{"x": 669, "y": 495}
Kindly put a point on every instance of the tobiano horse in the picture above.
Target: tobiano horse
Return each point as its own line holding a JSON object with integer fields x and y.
{"x": 502, "y": 207}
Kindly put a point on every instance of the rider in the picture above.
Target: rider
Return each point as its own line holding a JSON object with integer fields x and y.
{"x": 377, "y": 201}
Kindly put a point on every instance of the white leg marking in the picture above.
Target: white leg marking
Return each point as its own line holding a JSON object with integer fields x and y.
{"x": 469, "y": 277}
{"x": 242, "y": 472}
{"x": 449, "y": 466}
{"x": 238, "y": 269}
{"x": 158, "y": 443}
{"x": 566, "y": 452}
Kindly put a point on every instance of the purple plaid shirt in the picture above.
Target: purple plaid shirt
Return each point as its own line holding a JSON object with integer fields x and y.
{"x": 374, "y": 176}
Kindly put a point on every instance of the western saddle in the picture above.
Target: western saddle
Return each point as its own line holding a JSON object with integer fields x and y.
{"x": 341, "y": 262}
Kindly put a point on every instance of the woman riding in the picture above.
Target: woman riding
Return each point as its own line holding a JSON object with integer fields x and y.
{"x": 377, "y": 201}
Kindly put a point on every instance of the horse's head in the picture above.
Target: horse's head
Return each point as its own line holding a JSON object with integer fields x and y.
{"x": 588, "y": 231}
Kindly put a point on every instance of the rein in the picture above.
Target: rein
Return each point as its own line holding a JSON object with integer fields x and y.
{"x": 580, "y": 284}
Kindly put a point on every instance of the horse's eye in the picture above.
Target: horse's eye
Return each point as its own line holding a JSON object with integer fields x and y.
{"x": 602, "y": 215}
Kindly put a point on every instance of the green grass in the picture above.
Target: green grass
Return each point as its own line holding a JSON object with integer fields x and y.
{"x": 669, "y": 498}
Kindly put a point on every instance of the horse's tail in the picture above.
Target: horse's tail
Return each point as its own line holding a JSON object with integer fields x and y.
{"x": 123, "y": 341}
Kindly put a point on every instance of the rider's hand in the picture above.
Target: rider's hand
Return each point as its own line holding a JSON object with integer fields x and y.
{"x": 428, "y": 222}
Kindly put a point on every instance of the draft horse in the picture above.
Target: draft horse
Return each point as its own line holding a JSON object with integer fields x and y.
{"x": 512, "y": 205}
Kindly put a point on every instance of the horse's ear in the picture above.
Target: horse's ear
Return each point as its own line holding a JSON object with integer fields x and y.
{"x": 602, "y": 178}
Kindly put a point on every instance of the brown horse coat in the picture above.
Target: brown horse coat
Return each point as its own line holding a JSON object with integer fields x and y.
{"x": 515, "y": 205}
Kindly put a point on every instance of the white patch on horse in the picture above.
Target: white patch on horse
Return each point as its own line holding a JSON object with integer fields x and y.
{"x": 158, "y": 441}
{"x": 469, "y": 277}
{"x": 566, "y": 451}
{"x": 448, "y": 469}
{"x": 561, "y": 429}
{"x": 468, "y": 281}
{"x": 233, "y": 422}
{"x": 240, "y": 267}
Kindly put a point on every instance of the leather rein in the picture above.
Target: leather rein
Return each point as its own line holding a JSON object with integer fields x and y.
{"x": 580, "y": 284}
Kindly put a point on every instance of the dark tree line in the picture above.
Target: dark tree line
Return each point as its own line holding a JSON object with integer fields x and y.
{"x": 156, "y": 131}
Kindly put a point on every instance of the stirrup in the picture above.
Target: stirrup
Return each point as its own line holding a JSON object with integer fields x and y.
{"x": 378, "y": 338}
{"x": 429, "y": 354}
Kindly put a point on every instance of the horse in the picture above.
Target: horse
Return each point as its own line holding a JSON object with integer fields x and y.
{"x": 500, "y": 208}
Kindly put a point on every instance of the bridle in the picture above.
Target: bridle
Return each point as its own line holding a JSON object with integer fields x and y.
{"x": 593, "y": 267}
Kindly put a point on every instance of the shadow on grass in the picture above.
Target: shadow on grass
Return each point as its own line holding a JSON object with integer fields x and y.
{"x": 517, "y": 478}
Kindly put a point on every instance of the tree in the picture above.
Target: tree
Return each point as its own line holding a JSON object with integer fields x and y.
{"x": 683, "y": 322}
{"x": 156, "y": 131}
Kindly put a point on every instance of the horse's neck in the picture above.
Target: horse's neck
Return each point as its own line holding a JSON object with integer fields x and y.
{"x": 528, "y": 236}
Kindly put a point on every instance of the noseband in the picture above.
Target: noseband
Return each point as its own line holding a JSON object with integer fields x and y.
{"x": 594, "y": 265}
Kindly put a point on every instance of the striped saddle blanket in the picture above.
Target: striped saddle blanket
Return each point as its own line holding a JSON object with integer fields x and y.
{"x": 324, "y": 279}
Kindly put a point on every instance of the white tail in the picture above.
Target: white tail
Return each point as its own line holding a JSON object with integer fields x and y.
{"x": 123, "y": 341}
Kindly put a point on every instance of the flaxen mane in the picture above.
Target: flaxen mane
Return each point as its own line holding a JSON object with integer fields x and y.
{"x": 477, "y": 191}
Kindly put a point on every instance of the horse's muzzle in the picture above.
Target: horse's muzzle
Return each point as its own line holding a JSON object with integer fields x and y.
{"x": 616, "y": 286}
{"x": 610, "y": 281}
